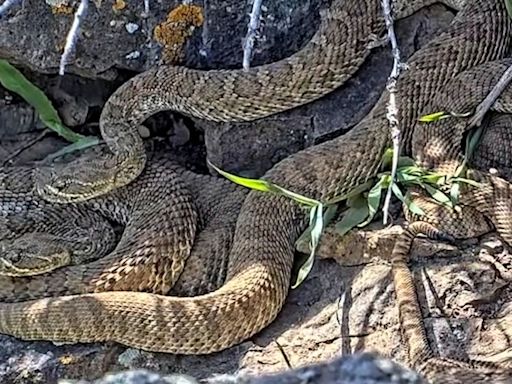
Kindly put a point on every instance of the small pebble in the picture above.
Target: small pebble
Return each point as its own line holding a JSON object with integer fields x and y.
{"x": 133, "y": 55}
{"x": 131, "y": 28}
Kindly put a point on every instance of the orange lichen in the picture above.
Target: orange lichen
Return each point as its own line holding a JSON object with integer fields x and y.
{"x": 62, "y": 9}
{"x": 68, "y": 359}
{"x": 174, "y": 32}
{"x": 119, "y": 5}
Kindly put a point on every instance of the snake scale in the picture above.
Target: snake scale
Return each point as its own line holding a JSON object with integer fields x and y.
{"x": 260, "y": 259}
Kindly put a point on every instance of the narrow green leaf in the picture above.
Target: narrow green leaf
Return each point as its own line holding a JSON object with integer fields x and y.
{"x": 508, "y": 5}
{"x": 13, "y": 80}
{"x": 353, "y": 216}
{"x": 455, "y": 193}
{"x": 256, "y": 184}
{"x": 438, "y": 195}
{"x": 412, "y": 170}
{"x": 434, "y": 117}
{"x": 305, "y": 238}
{"x": 266, "y": 186}
{"x": 354, "y": 192}
{"x": 433, "y": 178}
{"x": 373, "y": 201}
{"x": 413, "y": 207}
{"x": 403, "y": 177}
{"x": 316, "y": 226}
{"x": 387, "y": 158}
{"x": 472, "y": 141}
{"x": 86, "y": 142}
{"x": 397, "y": 192}
{"x": 294, "y": 196}
{"x": 467, "y": 181}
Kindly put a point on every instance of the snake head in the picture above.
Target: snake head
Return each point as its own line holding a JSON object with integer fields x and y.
{"x": 31, "y": 254}
{"x": 74, "y": 182}
{"x": 82, "y": 180}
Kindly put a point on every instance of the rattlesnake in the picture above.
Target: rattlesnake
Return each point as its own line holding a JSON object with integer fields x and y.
{"x": 267, "y": 227}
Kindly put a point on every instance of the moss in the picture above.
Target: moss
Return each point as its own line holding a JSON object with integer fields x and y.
{"x": 174, "y": 32}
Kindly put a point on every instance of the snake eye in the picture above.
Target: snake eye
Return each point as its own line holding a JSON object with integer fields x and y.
{"x": 14, "y": 256}
{"x": 60, "y": 184}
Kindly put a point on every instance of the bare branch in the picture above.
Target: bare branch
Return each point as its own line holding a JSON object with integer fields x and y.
{"x": 489, "y": 100}
{"x": 253, "y": 26}
{"x": 72, "y": 37}
{"x": 392, "y": 108}
{"x": 6, "y": 5}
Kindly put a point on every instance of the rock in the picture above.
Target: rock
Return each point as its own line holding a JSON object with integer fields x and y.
{"x": 345, "y": 306}
{"x": 106, "y": 46}
{"x": 140, "y": 376}
{"x": 359, "y": 369}
{"x": 122, "y": 37}
{"x": 249, "y": 149}
{"x": 493, "y": 244}
{"x": 363, "y": 246}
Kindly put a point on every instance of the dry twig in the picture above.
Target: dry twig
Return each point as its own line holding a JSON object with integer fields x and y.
{"x": 489, "y": 100}
{"x": 252, "y": 29}
{"x": 6, "y": 5}
{"x": 72, "y": 37}
{"x": 392, "y": 108}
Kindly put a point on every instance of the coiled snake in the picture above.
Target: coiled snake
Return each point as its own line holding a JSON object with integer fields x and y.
{"x": 259, "y": 263}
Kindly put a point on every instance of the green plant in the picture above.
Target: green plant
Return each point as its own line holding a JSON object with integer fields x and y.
{"x": 363, "y": 202}
{"x": 13, "y": 80}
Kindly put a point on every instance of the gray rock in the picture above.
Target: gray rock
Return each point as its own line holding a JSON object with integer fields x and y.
{"x": 251, "y": 148}
{"x": 357, "y": 369}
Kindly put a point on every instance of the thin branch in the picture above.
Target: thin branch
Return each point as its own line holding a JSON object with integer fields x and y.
{"x": 24, "y": 147}
{"x": 392, "y": 108}
{"x": 6, "y": 5}
{"x": 252, "y": 29}
{"x": 72, "y": 37}
{"x": 489, "y": 100}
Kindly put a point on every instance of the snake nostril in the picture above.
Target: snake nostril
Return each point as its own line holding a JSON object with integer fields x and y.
{"x": 14, "y": 256}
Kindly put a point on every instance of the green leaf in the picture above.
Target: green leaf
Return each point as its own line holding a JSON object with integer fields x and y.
{"x": 256, "y": 184}
{"x": 413, "y": 207}
{"x": 397, "y": 192}
{"x": 433, "y": 178}
{"x": 266, "y": 186}
{"x": 438, "y": 195}
{"x": 353, "y": 192}
{"x": 294, "y": 196}
{"x": 316, "y": 226}
{"x": 387, "y": 158}
{"x": 305, "y": 238}
{"x": 412, "y": 170}
{"x": 472, "y": 141}
{"x": 467, "y": 181}
{"x": 354, "y": 215}
{"x": 455, "y": 193}
{"x": 86, "y": 142}
{"x": 403, "y": 177}
{"x": 374, "y": 200}
{"x": 434, "y": 117}
{"x": 13, "y": 80}
{"x": 508, "y": 5}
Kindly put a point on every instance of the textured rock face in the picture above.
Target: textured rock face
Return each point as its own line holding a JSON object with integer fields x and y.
{"x": 362, "y": 369}
{"x": 346, "y": 305}
{"x": 114, "y": 38}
